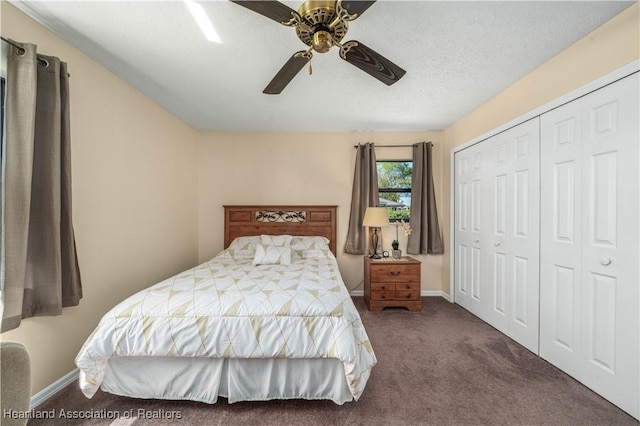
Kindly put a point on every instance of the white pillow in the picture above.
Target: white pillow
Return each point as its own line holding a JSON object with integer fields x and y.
{"x": 309, "y": 247}
{"x": 276, "y": 240}
{"x": 272, "y": 255}
{"x": 243, "y": 247}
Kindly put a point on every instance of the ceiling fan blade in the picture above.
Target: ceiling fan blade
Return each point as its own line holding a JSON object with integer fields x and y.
{"x": 271, "y": 9}
{"x": 371, "y": 62}
{"x": 356, "y": 7}
{"x": 287, "y": 72}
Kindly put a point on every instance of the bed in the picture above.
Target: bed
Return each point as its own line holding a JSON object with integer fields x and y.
{"x": 267, "y": 318}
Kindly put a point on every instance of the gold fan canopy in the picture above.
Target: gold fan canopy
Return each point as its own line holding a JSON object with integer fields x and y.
{"x": 325, "y": 26}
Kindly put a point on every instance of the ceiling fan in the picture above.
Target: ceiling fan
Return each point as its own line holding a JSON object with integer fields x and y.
{"x": 322, "y": 25}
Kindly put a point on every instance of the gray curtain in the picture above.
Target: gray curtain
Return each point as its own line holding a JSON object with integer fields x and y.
{"x": 425, "y": 237}
{"x": 40, "y": 273}
{"x": 363, "y": 195}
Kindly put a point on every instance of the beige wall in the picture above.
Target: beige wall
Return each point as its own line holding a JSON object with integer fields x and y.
{"x": 608, "y": 48}
{"x": 134, "y": 198}
{"x": 299, "y": 168}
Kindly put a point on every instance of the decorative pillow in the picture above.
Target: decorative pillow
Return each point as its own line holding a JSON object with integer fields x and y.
{"x": 308, "y": 247}
{"x": 272, "y": 255}
{"x": 276, "y": 240}
{"x": 243, "y": 247}
{"x": 319, "y": 254}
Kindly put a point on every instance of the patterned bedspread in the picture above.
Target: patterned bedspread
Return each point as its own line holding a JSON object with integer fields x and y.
{"x": 228, "y": 308}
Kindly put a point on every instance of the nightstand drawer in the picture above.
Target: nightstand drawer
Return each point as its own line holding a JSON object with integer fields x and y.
{"x": 395, "y": 273}
{"x": 383, "y": 287}
{"x": 411, "y": 294}
{"x": 397, "y": 291}
{"x": 408, "y": 287}
{"x": 383, "y": 295}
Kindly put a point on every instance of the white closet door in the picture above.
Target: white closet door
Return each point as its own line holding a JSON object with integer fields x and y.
{"x": 590, "y": 256}
{"x": 496, "y": 270}
{"x": 469, "y": 223}
{"x": 513, "y": 265}
{"x": 561, "y": 237}
{"x": 496, "y": 231}
{"x": 610, "y": 257}
{"x": 523, "y": 238}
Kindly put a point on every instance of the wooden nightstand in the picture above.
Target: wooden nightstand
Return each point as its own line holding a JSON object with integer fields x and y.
{"x": 392, "y": 282}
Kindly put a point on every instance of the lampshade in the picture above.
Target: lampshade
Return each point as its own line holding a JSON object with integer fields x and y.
{"x": 375, "y": 217}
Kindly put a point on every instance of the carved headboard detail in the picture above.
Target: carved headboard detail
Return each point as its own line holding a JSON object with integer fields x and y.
{"x": 242, "y": 221}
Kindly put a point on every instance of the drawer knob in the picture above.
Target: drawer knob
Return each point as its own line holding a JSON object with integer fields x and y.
{"x": 395, "y": 273}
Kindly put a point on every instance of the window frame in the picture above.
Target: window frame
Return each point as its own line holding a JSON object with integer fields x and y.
{"x": 405, "y": 190}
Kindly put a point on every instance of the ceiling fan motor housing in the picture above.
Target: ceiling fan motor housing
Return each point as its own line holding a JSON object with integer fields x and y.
{"x": 318, "y": 16}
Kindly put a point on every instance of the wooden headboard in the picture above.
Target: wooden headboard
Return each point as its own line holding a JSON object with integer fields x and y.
{"x": 241, "y": 221}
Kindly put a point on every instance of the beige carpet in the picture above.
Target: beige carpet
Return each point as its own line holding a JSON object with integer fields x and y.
{"x": 442, "y": 366}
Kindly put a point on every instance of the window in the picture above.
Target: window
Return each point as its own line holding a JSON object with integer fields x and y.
{"x": 394, "y": 188}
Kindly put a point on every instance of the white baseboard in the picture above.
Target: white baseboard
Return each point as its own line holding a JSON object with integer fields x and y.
{"x": 53, "y": 388}
{"x": 433, "y": 293}
{"x": 446, "y": 296}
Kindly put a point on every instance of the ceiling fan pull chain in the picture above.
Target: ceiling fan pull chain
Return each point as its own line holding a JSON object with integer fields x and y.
{"x": 310, "y": 68}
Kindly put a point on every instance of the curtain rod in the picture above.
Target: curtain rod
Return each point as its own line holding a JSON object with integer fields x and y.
{"x": 17, "y": 46}
{"x": 394, "y": 146}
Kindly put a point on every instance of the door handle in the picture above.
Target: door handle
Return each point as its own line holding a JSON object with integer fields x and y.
{"x": 476, "y": 241}
{"x": 605, "y": 262}
{"x": 497, "y": 244}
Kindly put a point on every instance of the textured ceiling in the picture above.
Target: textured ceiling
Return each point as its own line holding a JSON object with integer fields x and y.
{"x": 457, "y": 56}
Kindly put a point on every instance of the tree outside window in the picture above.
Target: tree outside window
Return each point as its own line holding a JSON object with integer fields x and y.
{"x": 394, "y": 188}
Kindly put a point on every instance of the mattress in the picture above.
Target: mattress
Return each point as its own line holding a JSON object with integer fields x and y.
{"x": 230, "y": 309}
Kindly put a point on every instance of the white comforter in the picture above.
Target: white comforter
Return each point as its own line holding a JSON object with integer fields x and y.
{"x": 227, "y": 308}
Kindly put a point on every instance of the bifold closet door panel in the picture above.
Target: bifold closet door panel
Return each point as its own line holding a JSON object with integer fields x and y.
{"x": 610, "y": 256}
{"x": 561, "y": 236}
{"x": 470, "y": 165}
{"x": 524, "y": 238}
{"x": 511, "y": 279}
{"x": 589, "y": 241}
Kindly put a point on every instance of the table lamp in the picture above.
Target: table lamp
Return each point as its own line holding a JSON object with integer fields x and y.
{"x": 375, "y": 217}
